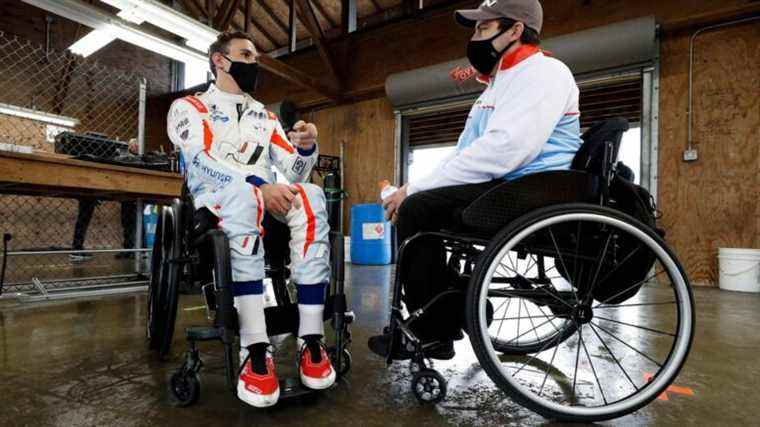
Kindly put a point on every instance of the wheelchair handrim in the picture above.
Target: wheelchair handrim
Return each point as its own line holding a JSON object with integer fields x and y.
{"x": 678, "y": 351}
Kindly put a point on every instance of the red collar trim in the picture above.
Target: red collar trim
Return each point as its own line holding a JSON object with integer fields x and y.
{"x": 508, "y": 61}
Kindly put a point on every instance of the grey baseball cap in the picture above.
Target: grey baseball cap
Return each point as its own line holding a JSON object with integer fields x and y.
{"x": 529, "y": 12}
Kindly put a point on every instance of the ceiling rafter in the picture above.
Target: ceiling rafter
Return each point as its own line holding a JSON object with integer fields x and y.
{"x": 312, "y": 25}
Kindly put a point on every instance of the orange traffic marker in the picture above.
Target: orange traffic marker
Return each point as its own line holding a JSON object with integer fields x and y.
{"x": 672, "y": 389}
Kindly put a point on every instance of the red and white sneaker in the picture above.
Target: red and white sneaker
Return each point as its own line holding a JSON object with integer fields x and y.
{"x": 313, "y": 363}
{"x": 257, "y": 389}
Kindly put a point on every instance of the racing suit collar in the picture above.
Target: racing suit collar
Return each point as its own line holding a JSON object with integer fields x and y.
{"x": 232, "y": 98}
{"x": 510, "y": 60}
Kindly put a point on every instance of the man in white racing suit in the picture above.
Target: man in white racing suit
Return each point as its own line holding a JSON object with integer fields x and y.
{"x": 230, "y": 142}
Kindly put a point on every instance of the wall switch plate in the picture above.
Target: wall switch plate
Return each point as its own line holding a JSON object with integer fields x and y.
{"x": 690, "y": 155}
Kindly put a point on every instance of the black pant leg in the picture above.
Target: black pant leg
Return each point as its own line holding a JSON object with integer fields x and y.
{"x": 84, "y": 216}
{"x": 128, "y": 223}
{"x": 423, "y": 268}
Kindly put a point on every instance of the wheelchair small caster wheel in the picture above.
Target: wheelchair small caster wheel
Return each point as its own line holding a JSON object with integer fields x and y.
{"x": 185, "y": 388}
{"x": 415, "y": 367}
{"x": 345, "y": 361}
{"x": 428, "y": 386}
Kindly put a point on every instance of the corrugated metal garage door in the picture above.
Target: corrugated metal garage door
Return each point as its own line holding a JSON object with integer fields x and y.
{"x": 598, "y": 101}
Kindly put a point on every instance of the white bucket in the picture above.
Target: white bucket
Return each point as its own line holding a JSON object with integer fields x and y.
{"x": 739, "y": 269}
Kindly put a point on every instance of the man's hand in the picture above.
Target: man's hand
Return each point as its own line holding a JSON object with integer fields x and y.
{"x": 392, "y": 202}
{"x": 279, "y": 198}
{"x": 303, "y": 135}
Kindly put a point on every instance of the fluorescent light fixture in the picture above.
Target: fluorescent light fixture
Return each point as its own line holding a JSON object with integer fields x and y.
{"x": 86, "y": 14}
{"x": 28, "y": 113}
{"x": 199, "y": 36}
{"x": 131, "y": 15}
{"x": 91, "y": 43}
{"x": 201, "y": 45}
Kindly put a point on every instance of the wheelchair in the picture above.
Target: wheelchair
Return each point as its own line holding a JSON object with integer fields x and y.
{"x": 189, "y": 252}
{"x": 573, "y": 303}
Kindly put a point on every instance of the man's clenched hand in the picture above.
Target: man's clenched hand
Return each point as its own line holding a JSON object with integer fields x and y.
{"x": 279, "y": 198}
{"x": 303, "y": 135}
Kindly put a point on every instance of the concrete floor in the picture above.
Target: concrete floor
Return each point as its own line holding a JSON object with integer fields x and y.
{"x": 85, "y": 363}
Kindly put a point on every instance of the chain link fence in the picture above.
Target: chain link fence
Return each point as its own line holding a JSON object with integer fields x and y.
{"x": 56, "y": 103}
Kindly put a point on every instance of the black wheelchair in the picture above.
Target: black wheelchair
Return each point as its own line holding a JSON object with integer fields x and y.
{"x": 574, "y": 305}
{"x": 189, "y": 252}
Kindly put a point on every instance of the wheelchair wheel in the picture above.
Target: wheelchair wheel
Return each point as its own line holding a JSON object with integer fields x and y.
{"x": 164, "y": 282}
{"x": 428, "y": 386}
{"x": 587, "y": 360}
{"x": 345, "y": 361}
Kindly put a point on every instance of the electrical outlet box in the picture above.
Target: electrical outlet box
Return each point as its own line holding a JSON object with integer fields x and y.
{"x": 690, "y": 155}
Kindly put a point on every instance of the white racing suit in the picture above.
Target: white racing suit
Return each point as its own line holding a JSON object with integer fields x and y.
{"x": 230, "y": 143}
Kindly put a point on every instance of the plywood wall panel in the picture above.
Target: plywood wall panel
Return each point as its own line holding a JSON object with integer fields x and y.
{"x": 712, "y": 202}
{"x": 366, "y": 131}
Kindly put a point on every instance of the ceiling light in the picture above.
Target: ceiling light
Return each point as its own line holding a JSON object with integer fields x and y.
{"x": 42, "y": 116}
{"x": 91, "y": 42}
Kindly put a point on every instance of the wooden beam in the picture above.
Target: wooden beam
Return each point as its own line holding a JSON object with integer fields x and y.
{"x": 265, "y": 33}
{"x": 247, "y": 14}
{"x": 276, "y": 19}
{"x": 224, "y": 14}
{"x": 323, "y": 12}
{"x": 348, "y": 16}
{"x": 197, "y": 11}
{"x": 233, "y": 10}
{"x": 312, "y": 25}
{"x": 297, "y": 77}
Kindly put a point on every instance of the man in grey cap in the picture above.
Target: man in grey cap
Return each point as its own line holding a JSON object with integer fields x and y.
{"x": 525, "y": 121}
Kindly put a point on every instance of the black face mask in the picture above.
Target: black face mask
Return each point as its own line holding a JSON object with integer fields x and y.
{"x": 244, "y": 74}
{"x": 483, "y": 56}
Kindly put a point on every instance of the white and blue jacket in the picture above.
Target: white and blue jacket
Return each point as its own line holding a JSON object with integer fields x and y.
{"x": 525, "y": 121}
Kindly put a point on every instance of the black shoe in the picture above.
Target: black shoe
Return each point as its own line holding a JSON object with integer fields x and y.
{"x": 404, "y": 350}
{"x": 380, "y": 345}
{"x": 443, "y": 350}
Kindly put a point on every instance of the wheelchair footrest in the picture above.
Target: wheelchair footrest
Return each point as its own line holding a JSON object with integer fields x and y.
{"x": 292, "y": 387}
{"x": 203, "y": 333}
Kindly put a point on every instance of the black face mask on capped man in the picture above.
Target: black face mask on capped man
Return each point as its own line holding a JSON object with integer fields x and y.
{"x": 244, "y": 74}
{"x": 483, "y": 56}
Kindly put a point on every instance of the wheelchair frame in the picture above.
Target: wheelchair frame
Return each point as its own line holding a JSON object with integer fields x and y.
{"x": 178, "y": 264}
{"x": 476, "y": 251}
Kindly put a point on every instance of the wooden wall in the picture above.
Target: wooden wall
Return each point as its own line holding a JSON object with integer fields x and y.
{"x": 715, "y": 201}
{"x": 365, "y": 130}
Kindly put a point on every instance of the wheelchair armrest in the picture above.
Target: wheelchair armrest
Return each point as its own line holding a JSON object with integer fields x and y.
{"x": 508, "y": 201}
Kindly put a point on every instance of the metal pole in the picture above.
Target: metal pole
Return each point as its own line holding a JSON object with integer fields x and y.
{"x": 141, "y": 150}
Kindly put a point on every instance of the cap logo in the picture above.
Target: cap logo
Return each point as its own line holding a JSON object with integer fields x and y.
{"x": 489, "y": 3}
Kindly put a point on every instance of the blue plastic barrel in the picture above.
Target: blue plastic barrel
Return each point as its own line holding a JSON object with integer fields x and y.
{"x": 150, "y": 219}
{"x": 370, "y": 235}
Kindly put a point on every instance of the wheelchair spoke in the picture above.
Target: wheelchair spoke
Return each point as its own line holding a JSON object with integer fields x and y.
{"x": 509, "y": 301}
{"x": 551, "y": 363}
{"x": 635, "y": 326}
{"x": 541, "y": 350}
{"x": 635, "y": 305}
{"x": 589, "y": 296}
{"x": 637, "y": 284}
{"x": 519, "y": 311}
{"x": 575, "y": 374}
{"x": 562, "y": 261}
{"x": 575, "y": 259}
{"x": 590, "y": 362}
{"x": 613, "y": 356}
{"x": 620, "y": 264}
{"x": 524, "y": 317}
{"x": 530, "y": 318}
{"x": 626, "y": 344}
{"x": 527, "y": 332}
{"x": 539, "y": 287}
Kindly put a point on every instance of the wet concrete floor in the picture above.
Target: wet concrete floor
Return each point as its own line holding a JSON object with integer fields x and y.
{"x": 85, "y": 363}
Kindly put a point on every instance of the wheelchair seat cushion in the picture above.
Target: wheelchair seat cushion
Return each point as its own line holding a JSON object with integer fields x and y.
{"x": 508, "y": 201}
